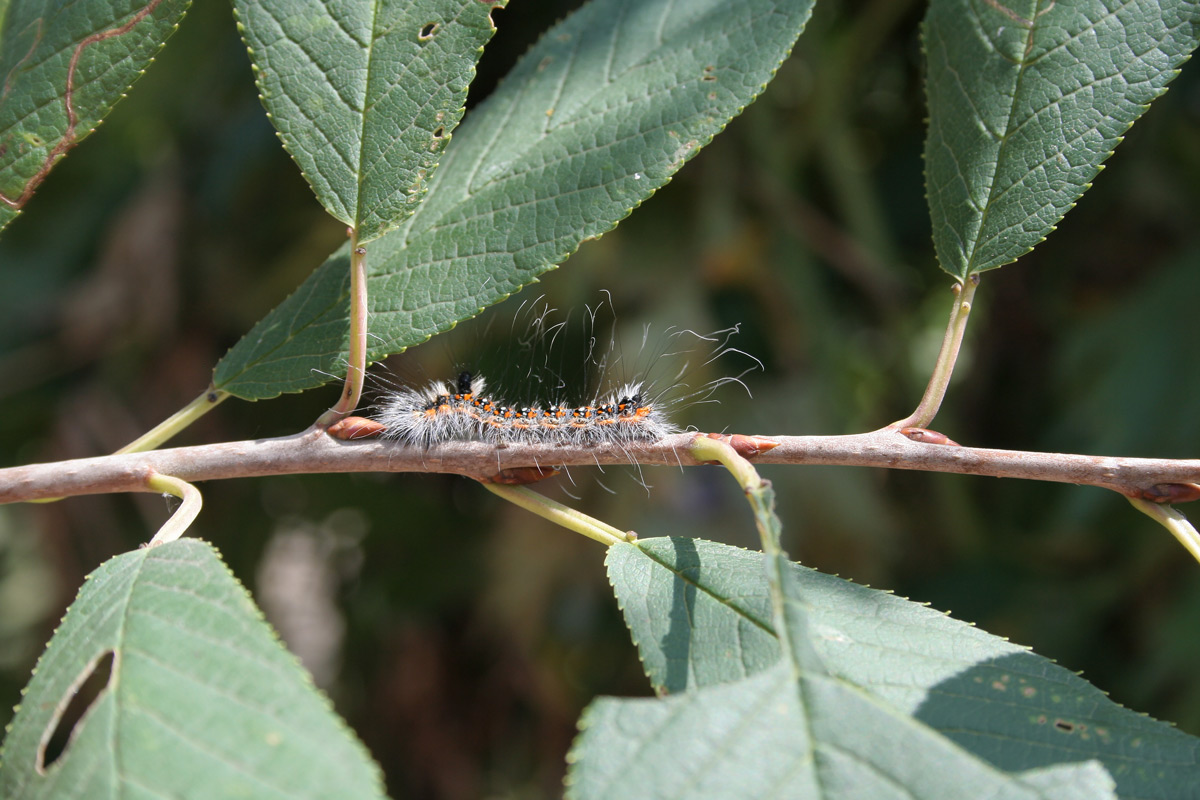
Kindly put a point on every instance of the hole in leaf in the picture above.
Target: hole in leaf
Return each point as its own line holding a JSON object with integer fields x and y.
{"x": 1064, "y": 726}
{"x": 428, "y": 31}
{"x": 80, "y": 697}
{"x": 439, "y": 132}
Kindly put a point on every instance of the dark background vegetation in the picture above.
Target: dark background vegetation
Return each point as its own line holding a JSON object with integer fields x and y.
{"x": 461, "y": 637}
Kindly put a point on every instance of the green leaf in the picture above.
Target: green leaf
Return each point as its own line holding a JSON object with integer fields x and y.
{"x": 64, "y": 66}
{"x": 792, "y": 730}
{"x": 202, "y": 702}
{"x": 1026, "y": 100}
{"x": 776, "y": 735}
{"x": 595, "y": 118}
{"x": 364, "y": 94}
{"x": 700, "y": 614}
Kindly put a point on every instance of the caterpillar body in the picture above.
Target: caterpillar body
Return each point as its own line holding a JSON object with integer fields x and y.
{"x": 663, "y": 370}
{"x": 461, "y": 410}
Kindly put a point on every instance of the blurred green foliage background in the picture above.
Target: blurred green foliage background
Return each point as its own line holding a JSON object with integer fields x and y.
{"x": 460, "y": 637}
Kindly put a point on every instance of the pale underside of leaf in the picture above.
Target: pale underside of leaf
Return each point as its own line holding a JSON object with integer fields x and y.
{"x": 700, "y": 614}
{"x": 203, "y": 700}
{"x": 790, "y": 731}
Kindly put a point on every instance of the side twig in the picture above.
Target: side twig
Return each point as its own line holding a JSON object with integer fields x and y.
{"x": 943, "y": 370}
{"x": 356, "y": 369}
{"x": 562, "y": 515}
{"x": 187, "y": 512}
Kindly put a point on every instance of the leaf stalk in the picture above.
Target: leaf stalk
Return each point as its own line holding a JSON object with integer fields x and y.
{"x": 172, "y": 425}
{"x": 943, "y": 368}
{"x": 560, "y": 514}
{"x": 356, "y": 369}
{"x": 1173, "y": 521}
{"x": 187, "y": 512}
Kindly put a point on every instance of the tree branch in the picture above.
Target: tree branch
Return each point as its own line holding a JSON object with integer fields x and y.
{"x": 315, "y": 452}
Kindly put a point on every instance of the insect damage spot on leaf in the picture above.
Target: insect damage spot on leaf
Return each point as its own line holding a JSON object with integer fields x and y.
{"x": 427, "y": 31}
{"x": 81, "y": 695}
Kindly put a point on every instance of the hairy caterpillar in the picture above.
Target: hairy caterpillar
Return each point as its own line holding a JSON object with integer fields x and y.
{"x": 463, "y": 409}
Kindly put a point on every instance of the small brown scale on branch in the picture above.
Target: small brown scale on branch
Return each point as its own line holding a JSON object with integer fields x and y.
{"x": 350, "y": 428}
{"x": 928, "y": 437}
{"x": 745, "y": 446}
{"x": 1173, "y": 493}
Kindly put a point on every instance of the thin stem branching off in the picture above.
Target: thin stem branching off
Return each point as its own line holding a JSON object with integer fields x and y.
{"x": 175, "y": 423}
{"x": 1173, "y": 521}
{"x": 943, "y": 369}
{"x": 356, "y": 369}
{"x": 187, "y": 512}
{"x": 757, "y": 491}
{"x": 561, "y": 515}
{"x": 791, "y": 624}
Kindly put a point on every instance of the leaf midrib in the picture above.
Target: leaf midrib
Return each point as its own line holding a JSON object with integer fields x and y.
{"x": 992, "y": 195}
{"x": 723, "y": 601}
{"x": 362, "y": 124}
